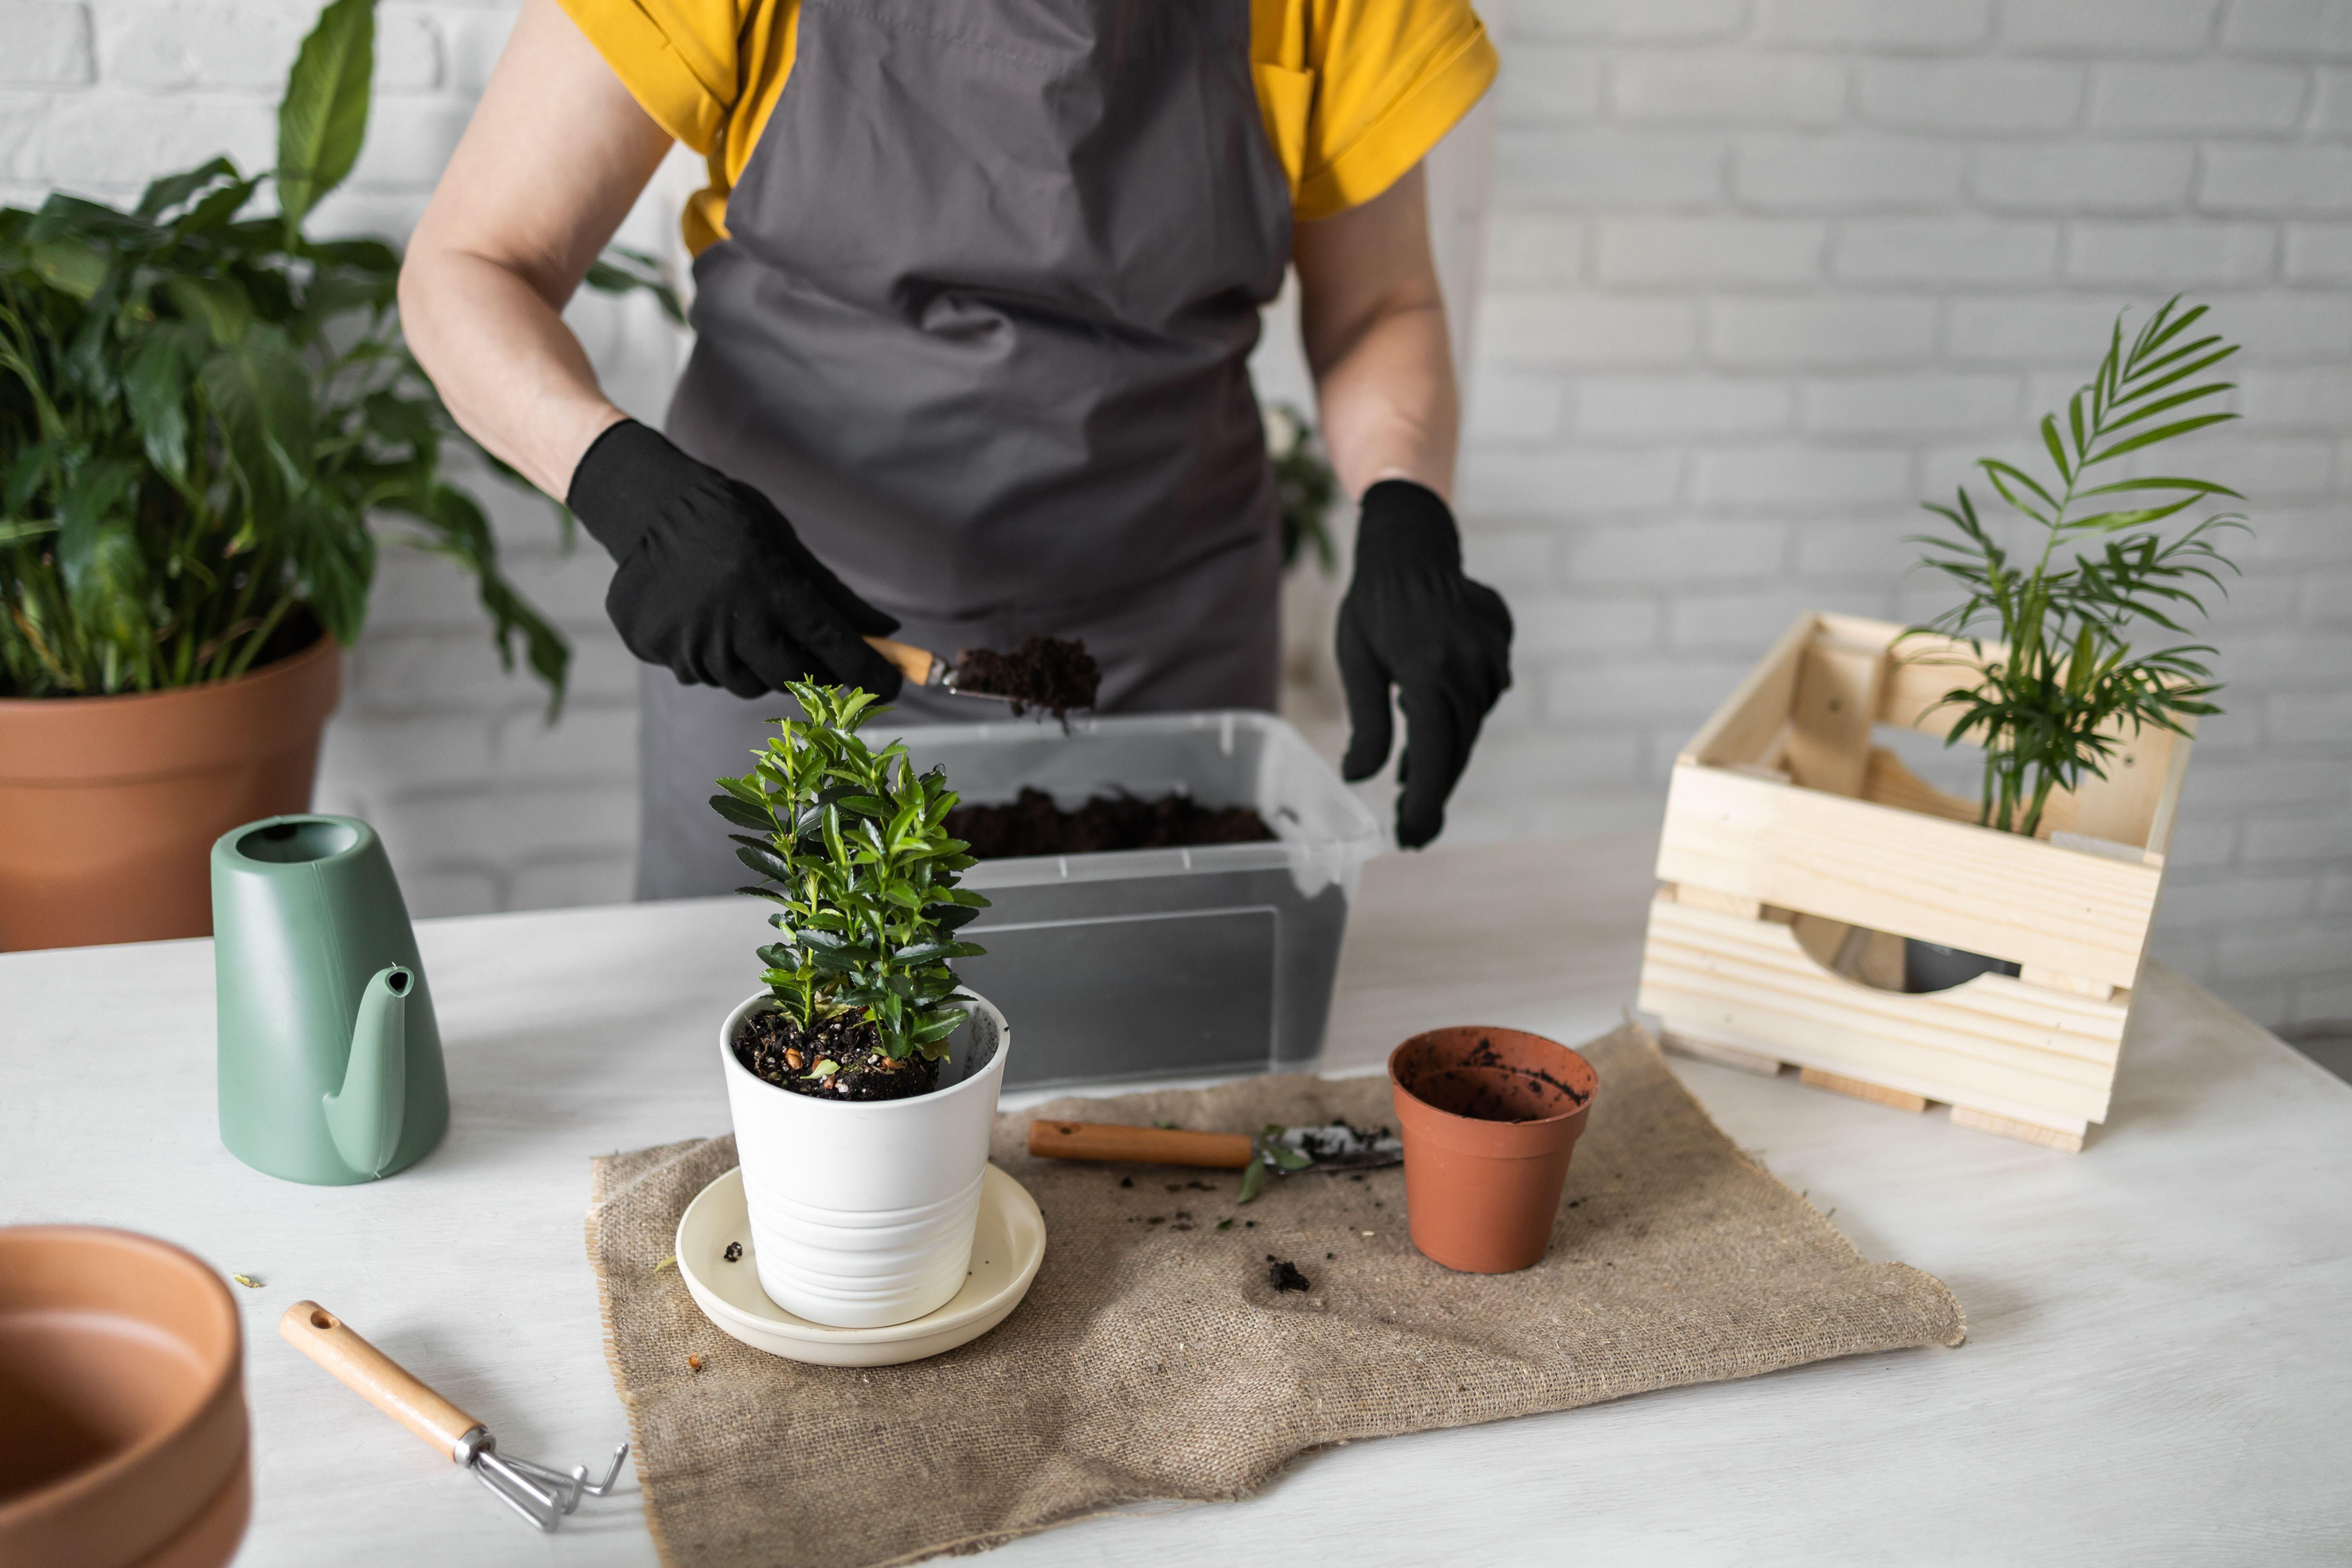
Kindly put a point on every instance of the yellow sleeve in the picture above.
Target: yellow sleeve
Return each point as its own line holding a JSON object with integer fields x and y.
{"x": 677, "y": 58}
{"x": 1383, "y": 79}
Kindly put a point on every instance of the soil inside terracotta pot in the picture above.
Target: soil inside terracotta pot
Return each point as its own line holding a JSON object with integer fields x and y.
{"x": 776, "y": 1050}
{"x": 1043, "y": 672}
{"x": 1034, "y": 825}
{"x": 1486, "y": 1088}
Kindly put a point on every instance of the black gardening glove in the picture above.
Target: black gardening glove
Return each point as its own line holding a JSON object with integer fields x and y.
{"x": 1412, "y": 621}
{"x": 713, "y": 584}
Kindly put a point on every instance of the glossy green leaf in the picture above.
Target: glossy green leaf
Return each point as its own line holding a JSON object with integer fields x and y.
{"x": 322, "y": 120}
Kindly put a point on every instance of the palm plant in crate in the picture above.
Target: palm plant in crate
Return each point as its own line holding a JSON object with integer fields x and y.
{"x": 2064, "y": 685}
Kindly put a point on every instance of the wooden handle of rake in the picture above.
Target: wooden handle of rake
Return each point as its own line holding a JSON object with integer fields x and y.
{"x": 376, "y": 1376}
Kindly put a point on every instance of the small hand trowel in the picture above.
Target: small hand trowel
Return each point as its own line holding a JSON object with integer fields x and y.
{"x": 1338, "y": 1146}
{"x": 924, "y": 668}
{"x": 1045, "y": 673}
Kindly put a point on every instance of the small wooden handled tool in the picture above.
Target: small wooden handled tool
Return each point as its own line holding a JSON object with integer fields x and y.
{"x": 924, "y": 668}
{"x": 1145, "y": 1146}
{"x": 540, "y": 1495}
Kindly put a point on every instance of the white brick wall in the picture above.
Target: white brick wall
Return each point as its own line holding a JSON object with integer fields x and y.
{"x": 1765, "y": 274}
{"x": 1760, "y": 275}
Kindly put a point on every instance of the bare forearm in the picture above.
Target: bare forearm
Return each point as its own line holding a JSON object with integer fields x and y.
{"x": 511, "y": 373}
{"x": 1373, "y": 325}
{"x": 1388, "y": 406}
{"x": 554, "y": 155}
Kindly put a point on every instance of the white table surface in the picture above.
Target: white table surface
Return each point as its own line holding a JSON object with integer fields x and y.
{"x": 2159, "y": 1366}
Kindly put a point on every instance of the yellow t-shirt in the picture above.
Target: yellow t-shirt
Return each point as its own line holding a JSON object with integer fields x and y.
{"x": 1353, "y": 92}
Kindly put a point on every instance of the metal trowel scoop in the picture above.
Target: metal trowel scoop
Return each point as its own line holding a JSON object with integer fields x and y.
{"x": 924, "y": 668}
{"x": 1336, "y": 1146}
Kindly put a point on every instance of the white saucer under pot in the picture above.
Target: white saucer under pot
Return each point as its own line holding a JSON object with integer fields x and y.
{"x": 862, "y": 1211}
{"x": 1008, "y": 1244}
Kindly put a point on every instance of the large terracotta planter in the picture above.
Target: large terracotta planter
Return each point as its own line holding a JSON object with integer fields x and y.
{"x": 123, "y": 1433}
{"x": 109, "y": 806}
{"x": 1490, "y": 1117}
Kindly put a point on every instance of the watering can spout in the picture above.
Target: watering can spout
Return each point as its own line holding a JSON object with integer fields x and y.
{"x": 364, "y": 1114}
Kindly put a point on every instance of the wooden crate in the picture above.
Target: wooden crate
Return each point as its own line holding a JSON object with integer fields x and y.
{"x": 1797, "y": 855}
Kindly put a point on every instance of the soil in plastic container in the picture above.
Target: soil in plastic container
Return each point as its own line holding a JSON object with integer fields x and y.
{"x": 1034, "y": 825}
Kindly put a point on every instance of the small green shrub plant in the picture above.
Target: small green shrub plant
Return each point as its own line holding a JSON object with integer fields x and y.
{"x": 2064, "y": 685}
{"x": 202, "y": 409}
{"x": 853, "y": 844}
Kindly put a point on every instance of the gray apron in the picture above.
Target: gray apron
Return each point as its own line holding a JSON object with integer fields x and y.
{"x": 980, "y": 330}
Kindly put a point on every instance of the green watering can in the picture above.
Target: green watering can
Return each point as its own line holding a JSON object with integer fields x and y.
{"x": 330, "y": 1062}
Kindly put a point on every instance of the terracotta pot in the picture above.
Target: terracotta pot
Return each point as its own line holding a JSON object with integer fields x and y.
{"x": 1489, "y": 1118}
{"x": 123, "y": 1437}
{"x": 109, "y": 806}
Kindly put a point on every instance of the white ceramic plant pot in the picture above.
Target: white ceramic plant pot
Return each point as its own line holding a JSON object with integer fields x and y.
{"x": 862, "y": 1211}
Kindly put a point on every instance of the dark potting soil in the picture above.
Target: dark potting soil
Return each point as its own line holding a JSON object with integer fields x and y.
{"x": 773, "y": 1048}
{"x": 1043, "y": 672}
{"x": 1033, "y": 825}
{"x": 1284, "y": 1275}
{"x": 1466, "y": 1090}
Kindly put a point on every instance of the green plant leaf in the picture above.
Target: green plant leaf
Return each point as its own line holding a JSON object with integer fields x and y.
{"x": 260, "y": 390}
{"x": 2150, "y": 438}
{"x": 220, "y": 307}
{"x": 99, "y": 557}
{"x": 156, "y": 383}
{"x": 69, "y": 266}
{"x": 1252, "y": 1180}
{"x": 171, "y": 190}
{"x": 322, "y": 120}
{"x": 741, "y": 815}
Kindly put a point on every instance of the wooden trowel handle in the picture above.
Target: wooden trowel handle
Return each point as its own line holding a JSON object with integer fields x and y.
{"x": 913, "y": 663}
{"x": 376, "y": 1376}
{"x": 1149, "y": 1145}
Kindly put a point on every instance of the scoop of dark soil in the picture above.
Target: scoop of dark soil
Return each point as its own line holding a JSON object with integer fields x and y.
{"x": 772, "y": 1048}
{"x": 1043, "y": 672}
{"x": 1033, "y": 825}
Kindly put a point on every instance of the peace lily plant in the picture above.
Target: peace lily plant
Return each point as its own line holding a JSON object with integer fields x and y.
{"x": 2066, "y": 686}
{"x": 203, "y": 409}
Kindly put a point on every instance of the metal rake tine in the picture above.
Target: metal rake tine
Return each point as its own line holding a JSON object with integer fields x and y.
{"x": 612, "y": 1474}
{"x": 563, "y": 1486}
{"x": 505, "y": 1481}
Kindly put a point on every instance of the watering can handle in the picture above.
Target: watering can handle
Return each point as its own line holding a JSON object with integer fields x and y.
{"x": 364, "y": 1115}
{"x": 377, "y": 1378}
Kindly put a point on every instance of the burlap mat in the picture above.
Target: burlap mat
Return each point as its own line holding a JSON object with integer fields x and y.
{"x": 1153, "y": 1360}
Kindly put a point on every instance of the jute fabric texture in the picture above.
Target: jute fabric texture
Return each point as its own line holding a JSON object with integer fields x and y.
{"x": 1153, "y": 1358}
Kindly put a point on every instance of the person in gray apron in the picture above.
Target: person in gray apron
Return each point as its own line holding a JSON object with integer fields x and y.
{"x": 971, "y": 364}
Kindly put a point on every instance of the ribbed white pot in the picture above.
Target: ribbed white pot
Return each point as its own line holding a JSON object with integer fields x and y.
{"x": 862, "y": 1211}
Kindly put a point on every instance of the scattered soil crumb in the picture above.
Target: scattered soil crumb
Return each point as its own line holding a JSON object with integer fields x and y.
{"x": 1126, "y": 1181}
{"x": 1043, "y": 672}
{"x": 1284, "y": 1275}
{"x": 1033, "y": 825}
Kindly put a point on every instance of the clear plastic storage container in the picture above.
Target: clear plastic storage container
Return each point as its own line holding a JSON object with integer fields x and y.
{"x": 1160, "y": 963}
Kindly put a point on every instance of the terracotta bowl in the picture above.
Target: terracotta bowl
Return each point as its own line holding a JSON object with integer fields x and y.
{"x": 122, "y": 1420}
